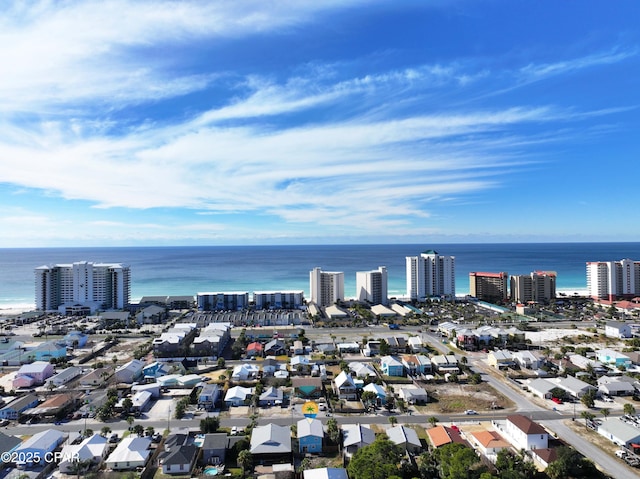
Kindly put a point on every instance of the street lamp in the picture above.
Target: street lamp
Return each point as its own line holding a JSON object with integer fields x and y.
{"x": 169, "y": 420}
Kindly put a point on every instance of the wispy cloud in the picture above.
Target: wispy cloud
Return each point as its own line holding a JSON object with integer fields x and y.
{"x": 545, "y": 70}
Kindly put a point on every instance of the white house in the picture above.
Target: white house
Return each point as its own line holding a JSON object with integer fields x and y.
{"x": 237, "y": 395}
{"x": 614, "y": 329}
{"x": 38, "y": 446}
{"x": 619, "y": 432}
{"x": 131, "y": 453}
{"x": 541, "y": 388}
{"x": 243, "y": 372}
{"x": 130, "y": 372}
{"x": 525, "y": 434}
{"x": 92, "y": 449}
{"x": 356, "y": 436}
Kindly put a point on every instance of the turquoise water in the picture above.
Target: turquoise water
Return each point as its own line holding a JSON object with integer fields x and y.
{"x": 188, "y": 270}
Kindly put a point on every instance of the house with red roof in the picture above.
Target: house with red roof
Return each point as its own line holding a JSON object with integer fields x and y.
{"x": 255, "y": 349}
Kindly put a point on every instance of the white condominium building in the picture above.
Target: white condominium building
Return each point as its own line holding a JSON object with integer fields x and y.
{"x": 95, "y": 285}
{"x": 326, "y": 287}
{"x": 613, "y": 279}
{"x": 539, "y": 286}
{"x": 371, "y": 286}
{"x": 278, "y": 299}
{"x": 431, "y": 275}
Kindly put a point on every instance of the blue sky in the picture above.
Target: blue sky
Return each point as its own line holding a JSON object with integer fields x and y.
{"x": 341, "y": 121}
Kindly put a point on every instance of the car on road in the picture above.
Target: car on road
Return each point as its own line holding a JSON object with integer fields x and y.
{"x": 470, "y": 412}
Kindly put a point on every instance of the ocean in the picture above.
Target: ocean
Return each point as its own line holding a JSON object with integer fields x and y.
{"x": 187, "y": 270}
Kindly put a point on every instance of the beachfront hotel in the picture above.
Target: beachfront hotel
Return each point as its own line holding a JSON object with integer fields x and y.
{"x": 326, "y": 287}
{"x": 222, "y": 301}
{"x": 490, "y": 287}
{"x": 278, "y": 299}
{"x": 430, "y": 275}
{"x": 85, "y": 285}
{"x": 371, "y": 286}
{"x": 613, "y": 279}
{"x": 539, "y": 287}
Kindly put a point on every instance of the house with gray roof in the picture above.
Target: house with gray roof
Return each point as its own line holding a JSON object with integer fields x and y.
{"x": 130, "y": 372}
{"x": 619, "y": 432}
{"x": 405, "y": 437}
{"x": 271, "y": 444}
{"x": 18, "y": 406}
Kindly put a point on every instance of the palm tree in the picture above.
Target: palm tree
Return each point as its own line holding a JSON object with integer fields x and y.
{"x": 105, "y": 430}
{"x": 605, "y": 411}
{"x": 629, "y": 409}
{"x": 587, "y": 416}
{"x": 433, "y": 421}
{"x": 245, "y": 460}
{"x": 393, "y": 420}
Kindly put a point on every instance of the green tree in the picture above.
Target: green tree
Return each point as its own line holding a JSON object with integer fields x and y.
{"x": 433, "y": 421}
{"x": 629, "y": 409}
{"x": 589, "y": 398}
{"x": 378, "y": 460}
{"x": 393, "y": 420}
{"x": 455, "y": 461}
{"x": 512, "y": 466}
{"x": 245, "y": 460}
{"x": 605, "y": 411}
{"x": 385, "y": 349}
{"x": 558, "y": 393}
{"x": 333, "y": 431}
{"x": 587, "y": 416}
{"x": 209, "y": 425}
{"x": 368, "y": 399}
{"x": 570, "y": 464}
{"x": 105, "y": 430}
{"x": 138, "y": 429}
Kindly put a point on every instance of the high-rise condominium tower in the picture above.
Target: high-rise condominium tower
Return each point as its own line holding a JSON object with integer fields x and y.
{"x": 96, "y": 285}
{"x": 371, "y": 286}
{"x": 326, "y": 287}
{"x": 431, "y": 275}
{"x": 613, "y": 279}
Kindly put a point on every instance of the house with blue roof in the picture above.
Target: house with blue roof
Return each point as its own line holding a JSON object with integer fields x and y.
{"x": 76, "y": 339}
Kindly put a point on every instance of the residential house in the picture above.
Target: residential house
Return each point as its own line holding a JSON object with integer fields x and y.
{"x": 524, "y": 433}
{"x": 325, "y": 473}
{"x": 391, "y": 366}
{"x": 416, "y": 364}
{"x": 541, "y": 387}
{"x": 55, "y": 405}
{"x": 168, "y": 381}
{"x": 466, "y": 339}
{"x": 441, "y": 436}
{"x": 270, "y": 366}
{"x": 189, "y": 381}
{"x": 489, "y": 443}
{"x": 91, "y": 450}
{"x": 155, "y": 370}
{"x": 405, "y": 437}
{"x": 307, "y": 387}
{"x": 209, "y": 396}
{"x": 214, "y": 448}
{"x": 381, "y": 395}
{"x": 245, "y": 372}
{"x": 362, "y": 370}
{"x": 344, "y": 387}
{"x": 275, "y": 347}
{"x": 130, "y": 372}
{"x": 38, "y": 447}
{"x": 271, "y": 444}
{"x": 254, "y": 349}
{"x": 238, "y": 396}
{"x": 179, "y": 460}
{"x": 349, "y": 348}
{"x": 96, "y": 377}
{"x": 574, "y": 386}
{"x": 355, "y": 436}
{"x": 310, "y": 436}
{"x": 415, "y": 344}
{"x": 65, "y": 376}
{"x": 18, "y": 406}
{"x": 271, "y": 396}
{"x": 528, "y": 359}
{"x": 34, "y": 374}
{"x": 615, "y": 386}
{"x": 152, "y": 388}
{"x": 445, "y": 364}
{"x": 618, "y": 330}
{"x": 413, "y": 394}
{"x": 613, "y": 358}
{"x": 8, "y": 443}
{"x": 502, "y": 359}
{"x": 301, "y": 364}
{"x": 397, "y": 345}
{"x": 130, "y": 454}
{"x": 75, "y": 339}
{"x": 619, "y": 432}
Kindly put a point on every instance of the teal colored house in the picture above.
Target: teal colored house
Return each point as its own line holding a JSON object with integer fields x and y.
{"x": 310, "y": 436}
{"x": 391, "y": 366}
{"x": 46, "y": 351}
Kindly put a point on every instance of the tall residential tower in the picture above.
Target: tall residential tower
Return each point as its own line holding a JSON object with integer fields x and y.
{"x": 94, "y": 285}
{"x": 326, "y": 287}
{"x": 371, "y": 286}
{"x": 613, "y": 279}
{"x": 431, "y": 275}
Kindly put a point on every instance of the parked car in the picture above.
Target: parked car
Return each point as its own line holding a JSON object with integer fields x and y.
{"x": 470, "y": 412}
{"x": 114, "y": 438}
